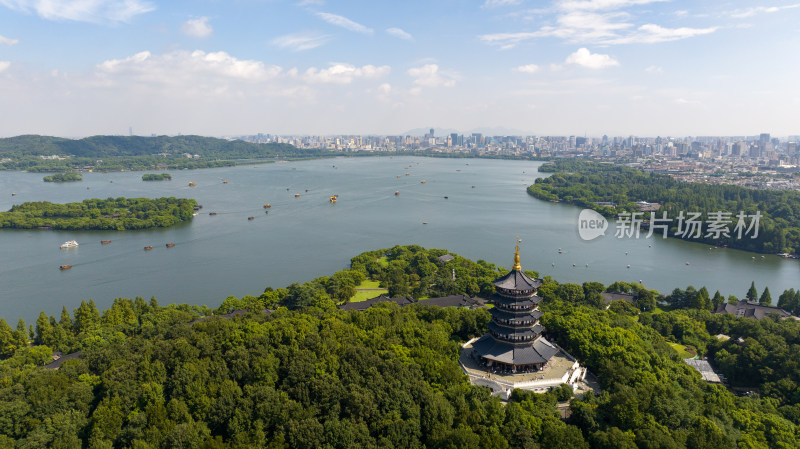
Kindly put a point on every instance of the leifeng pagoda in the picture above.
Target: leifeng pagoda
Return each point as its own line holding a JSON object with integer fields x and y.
{"x": 515, "y": 343}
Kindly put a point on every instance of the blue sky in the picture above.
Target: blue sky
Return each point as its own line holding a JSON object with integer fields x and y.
{"x": 215, "y": 67}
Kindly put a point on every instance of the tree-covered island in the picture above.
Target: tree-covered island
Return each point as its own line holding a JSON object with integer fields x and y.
{"x": 120, "y": 214}
{"x": 63, "y": 177}
{"x": 614, "y": 189}
{"x": 291, "y": 370}
{"x": 156, "y": 177}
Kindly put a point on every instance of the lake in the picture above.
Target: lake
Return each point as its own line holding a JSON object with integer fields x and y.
{"x": 305, "y": 237}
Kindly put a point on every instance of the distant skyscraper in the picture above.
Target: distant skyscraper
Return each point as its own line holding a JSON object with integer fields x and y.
{"x": 454, "y": 139}
{"x": 431, "y": 132}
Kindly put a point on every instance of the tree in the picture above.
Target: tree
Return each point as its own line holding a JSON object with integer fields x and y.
{"x": 766, "y": 298}
{"x": 752, "y": 293}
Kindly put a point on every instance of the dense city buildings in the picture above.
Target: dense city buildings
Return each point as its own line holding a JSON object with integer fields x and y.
{"x": 758, "y": 161}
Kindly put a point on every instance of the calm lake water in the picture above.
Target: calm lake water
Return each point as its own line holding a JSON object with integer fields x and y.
{"x": 307, "y": 237}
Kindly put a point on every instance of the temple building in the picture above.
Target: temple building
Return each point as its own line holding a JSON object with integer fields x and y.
{"x": 515, "y": 342}
{"x": 514, "y": 353}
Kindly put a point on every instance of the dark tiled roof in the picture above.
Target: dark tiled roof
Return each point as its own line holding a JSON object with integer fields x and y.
{"x": 455, "y": 301}
{"x": 529, "y": 301}
{"x": 56, "y": 364}
{"x": 506, "y": 315}
{"x": 608, "y": 297}
{"x": 517, "y": 280}
{"x": 364, "y": 305}
{"x": 446, "y": 258}
{"x": 516, "y": 332}
{"x": 539, "y": 352}
{"x": 750, "y": 310}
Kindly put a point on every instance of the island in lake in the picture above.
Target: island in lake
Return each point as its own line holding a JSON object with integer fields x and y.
{"x": 156, "y": 177}
{"x": 63, "y": 177}
{"x": 120, "y": 214}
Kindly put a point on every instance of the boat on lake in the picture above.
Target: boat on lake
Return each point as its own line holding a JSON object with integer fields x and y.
{"x": 65, "y": 267}
{"x": 170, "y": 245}
{"x": 251, "y": 218}
{"x": 267, "y": 206}
{"x": 105, "y": 242}
{"x": 192, "y": 184}
{"x": 69, "y": 244}
{"x": 297, "y": 195}
{"x": 212, "y": 213}
{"x": 148, "y": 248}
{"x": 397, "y": 192}
{"x": 333, "y": 199}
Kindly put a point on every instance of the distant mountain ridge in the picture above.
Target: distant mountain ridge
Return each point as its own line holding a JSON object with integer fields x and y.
{"x": 115, "y": 146}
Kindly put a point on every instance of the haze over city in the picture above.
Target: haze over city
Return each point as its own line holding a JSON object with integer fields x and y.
{"x": 569, "y": 67}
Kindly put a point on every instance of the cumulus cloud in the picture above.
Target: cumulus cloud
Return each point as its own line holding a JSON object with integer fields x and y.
{"x": 583, "y": 57}
{"x": 399, "y": 33}
{"x": 95, "y": 11}
{"x": 344, "y": 22}
{"x": 8, "y": 41}
{"x": 197, "y": 27}
{"x": 429, "y": 76}
{"x": 300, "y": 41}
{"x": 529, "y": 68}
{"x": 4, "y": 65}
{"x": 340, "y": 73}
{"x": 180, "y": 66}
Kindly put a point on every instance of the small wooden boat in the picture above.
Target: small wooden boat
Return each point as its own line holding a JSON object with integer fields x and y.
{"x": 267, "y": 206}
{"x": 148, "y": 248}
{"x": 224, "y": 181}
{"x": 170, "y": 245}
{"x": 65, "y": 267}
{"x": 422, "y": 182}
{"x": 399, "y": 176}
{"x": 212, "y": 213}
{"x": 105, "y": 242}
{"x": 333, "y": 199}
{"x": 192, "y": 184}
{"x": 251, "y": 218}
{"x": 397, "y": 192}
{"x": 447, "y": 197}
{"x": 297, "y": 195}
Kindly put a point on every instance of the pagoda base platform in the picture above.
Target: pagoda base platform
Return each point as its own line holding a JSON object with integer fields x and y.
{"x": 562, "y": 368}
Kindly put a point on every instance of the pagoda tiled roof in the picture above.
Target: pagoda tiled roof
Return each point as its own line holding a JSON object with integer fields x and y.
{"x": 517, "y": 280}
{"x": 537, "y": 353}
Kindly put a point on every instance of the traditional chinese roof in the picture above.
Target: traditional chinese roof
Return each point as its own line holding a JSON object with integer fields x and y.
{"x": 517, "y": 280}
{"x": 537, "y": 353}
{"x": 527, "y": 301}
{"x": 511, "y": 315}
{"x": 751, "y": 310}
{"x": 519, "y": 332}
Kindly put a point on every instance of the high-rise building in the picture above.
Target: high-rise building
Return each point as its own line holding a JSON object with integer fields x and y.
{"x": 454, "y": 139}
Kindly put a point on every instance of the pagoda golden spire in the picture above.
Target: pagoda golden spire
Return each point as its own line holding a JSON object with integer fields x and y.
{"x": 517, "y": 266}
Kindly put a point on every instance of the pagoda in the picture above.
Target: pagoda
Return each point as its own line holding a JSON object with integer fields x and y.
{"x": 515, "y": 343}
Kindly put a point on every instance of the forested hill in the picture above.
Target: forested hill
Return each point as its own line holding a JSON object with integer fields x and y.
{"x": 116, "y": 146}
{"x": 614, "y": 189}
{"x": 308, "y": 375}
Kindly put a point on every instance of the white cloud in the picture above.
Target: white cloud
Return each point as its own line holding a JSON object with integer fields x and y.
{"x": 399, "y": 33}
{"x": 583, "y": 57}
{"x": 429, "y": 76}
{"x": 529, "y": 68}
{"x": 178, "y": 67}
{"x": 197, "y": 27}
{"x": 4, "y": 65}
{"x": 749, "y": 12}
{"x": 95, "y": 11}
{"x": 597, "y": 5}
{"x": 496, "y": 3}
{"x": 651, "y": 34}
{"x": 340, "y": 73}
{"x": 343, "y": 22}
{"x": 300, "y": 41}
{"x": 8, "y": 41}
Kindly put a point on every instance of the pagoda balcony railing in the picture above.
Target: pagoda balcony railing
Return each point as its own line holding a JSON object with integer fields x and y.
{"x": 513, "y": 338}
{"x": 516, "y": 293}
{"x": 514, "y": 322}
{"x": 514, "y": 307}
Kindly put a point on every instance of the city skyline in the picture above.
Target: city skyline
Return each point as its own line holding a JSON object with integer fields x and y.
{"x": 564, "y": 67}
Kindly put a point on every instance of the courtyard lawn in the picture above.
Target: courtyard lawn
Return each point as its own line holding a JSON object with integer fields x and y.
{"x": 681, "y": 349}
{"x": 368, "y": 290}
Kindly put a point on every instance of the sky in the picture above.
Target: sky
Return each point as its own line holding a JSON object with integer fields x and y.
{"x": 76, "y": 68}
